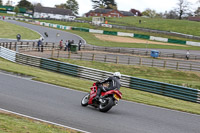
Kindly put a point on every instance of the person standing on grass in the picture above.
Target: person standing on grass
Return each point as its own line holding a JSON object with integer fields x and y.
{"x": 79, "y": 45}
{"x": 61, "y": 44}
{"x": 187, "y": 55}
{"x": 69, "y": 45}
{"x": 66, "y": 45}
{"x": 38, "y": 44}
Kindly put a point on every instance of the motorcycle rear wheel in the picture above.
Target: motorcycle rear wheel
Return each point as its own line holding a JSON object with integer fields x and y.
{"x": 106, "y": 107}
{"x": 85, "y": 100}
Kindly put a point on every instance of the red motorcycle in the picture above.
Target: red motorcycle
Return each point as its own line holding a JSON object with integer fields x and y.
{"x": 107, "y": 99}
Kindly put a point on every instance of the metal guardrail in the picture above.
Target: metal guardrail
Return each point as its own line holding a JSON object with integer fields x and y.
{"x": 112, "y": 58}
{"x": 48, "y": 45}
{"x": 178, "y": 92}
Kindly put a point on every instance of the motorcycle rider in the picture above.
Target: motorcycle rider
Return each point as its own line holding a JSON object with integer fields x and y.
{"x": 113, "y": 81}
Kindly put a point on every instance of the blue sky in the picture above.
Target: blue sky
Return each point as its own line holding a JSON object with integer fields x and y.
{"x": 126, "y": 5}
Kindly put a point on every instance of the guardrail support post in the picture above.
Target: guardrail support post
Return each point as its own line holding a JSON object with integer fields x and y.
{"x": 105, "y": 58}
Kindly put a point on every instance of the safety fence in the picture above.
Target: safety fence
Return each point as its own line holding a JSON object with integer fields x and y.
{"x": 110, "y": 32}
{"x": 52, "y": 51}
{"x": 48, "y": 46}
{"x": 178, "y": 92}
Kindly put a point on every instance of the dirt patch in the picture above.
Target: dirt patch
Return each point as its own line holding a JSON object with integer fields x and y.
{"x": 131, "y": 40}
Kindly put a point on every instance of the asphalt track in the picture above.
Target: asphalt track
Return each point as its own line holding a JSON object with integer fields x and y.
{"x": 62, "y": 105}
{"x": 51, "y": 32}
{"x": 69, "y": 36}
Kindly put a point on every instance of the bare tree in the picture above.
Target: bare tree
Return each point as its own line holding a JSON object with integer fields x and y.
{"x": 183, "y": 8}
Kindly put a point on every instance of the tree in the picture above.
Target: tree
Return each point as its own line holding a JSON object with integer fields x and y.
{"x": 64, "y": 6}
{"x": 16, "y": 10}
{"x": 197, "y": 12}
{"x": 171, "y": 14}
{"x": 183, "y": 8}
{"x": 108, "y": 4}
{"x": 73, "y": 6}
{"x": 25, "y": 4}
{"x": 1, "y": 2}
{"x": 150, "y": 13}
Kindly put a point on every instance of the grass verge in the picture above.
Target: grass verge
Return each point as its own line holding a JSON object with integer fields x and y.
{"x": 10, "y": 31}
{"x": 74, "y": 83}
{"x": 91, "y": 39}
{"x": 175, "y": 25}
{"x": 151, "y": 23}
{"x": 182, "y": 78}
{"x": 17, "y": 124}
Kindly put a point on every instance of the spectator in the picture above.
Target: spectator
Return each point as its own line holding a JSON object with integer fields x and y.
{"x": 69, "y": 45}
{"x": 79, "y": 45}
{"x": 41, "y": 43}
{"x": 18, "y": 37}
{"x": 3, "y": 17}
{"x": 61, "y": 44}
{"x": 38, "y": 44}
{"x": 188, "y": 55}
{"x": 66, "y": 45}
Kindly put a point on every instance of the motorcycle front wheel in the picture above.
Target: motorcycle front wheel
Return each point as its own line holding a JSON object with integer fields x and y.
{"x": 104, "y": 107}
{"x": 85, "y": 100}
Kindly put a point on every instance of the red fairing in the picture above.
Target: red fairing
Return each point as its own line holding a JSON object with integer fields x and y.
{"x": 112, "y": 92}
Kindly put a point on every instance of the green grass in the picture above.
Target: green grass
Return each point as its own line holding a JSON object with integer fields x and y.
{"x": 16, "y": 124}
{"x": 10, "y": 31}
{"x": 189, "y": 79}
{"x": 91, "y": 39}
{"x": 84, "y": 85}
{"x": 181, "y": 26}
{"x": 86, "y": 25}
{"x": 5, "y": 14}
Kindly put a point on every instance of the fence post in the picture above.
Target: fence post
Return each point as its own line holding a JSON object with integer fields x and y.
{"x": 190, "y": 67}
{"x": 105, "y": 58}
{"x": 164, "y": 64}
{"x": 177, "y": 66}
{"x": 58, "y": 54}
{"x": 69, "y": 55}
{"x": 81, "y": 56}
{"x": 129, "y": 60}
{"x": 152, "y": 63}
{"x": 133, "y": 51}
{"x": 52, "y": 53}
{"x": 119, "y": 50}
{"x": 117, "y": 59}
{"x": 93, "y": 57}
{"x": 140, "y": 62}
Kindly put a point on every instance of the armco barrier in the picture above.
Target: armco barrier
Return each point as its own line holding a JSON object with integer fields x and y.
{"x": 176, "y": 41}
{"x": 142, "y": 36}
{"x": 174, "y": 91}
{"x": 110, "y": 33}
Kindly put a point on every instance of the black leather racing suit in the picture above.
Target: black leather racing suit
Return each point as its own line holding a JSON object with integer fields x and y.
{"x": 114, "y": 83}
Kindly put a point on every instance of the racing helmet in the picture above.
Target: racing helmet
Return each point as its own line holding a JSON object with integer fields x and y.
{"x": 117, "y": 74}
